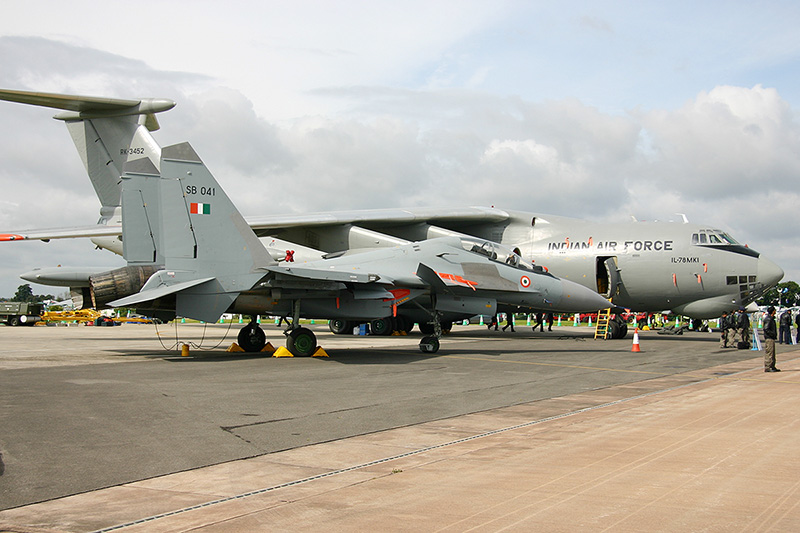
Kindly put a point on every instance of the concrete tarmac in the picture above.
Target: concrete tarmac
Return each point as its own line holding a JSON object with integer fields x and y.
{"x": 549, "y": 431}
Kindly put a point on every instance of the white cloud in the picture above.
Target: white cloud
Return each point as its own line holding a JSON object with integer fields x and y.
{"x": 582, "y": 109}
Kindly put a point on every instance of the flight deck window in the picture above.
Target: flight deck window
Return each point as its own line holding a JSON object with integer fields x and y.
{"x": 731, "y": 280}
{"x": 702, "y": 238}
{"x": 714, "y": 239}
{"x": 742, "y": 279}
{"x": 752, "y": 279}
{"x": 695, "y": 238}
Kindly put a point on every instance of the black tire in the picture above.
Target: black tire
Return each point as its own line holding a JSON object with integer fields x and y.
{"x": 613, "y": 329}
{"x": 252, "y": 338}
{"x": 340, "y": 326}
{"x": 13, "y": 321}
{"x": 301, "y": 342}
{"x": 429, "y": 344}
{"x": 382, "y": 326}
{"x": 623, "y": 330}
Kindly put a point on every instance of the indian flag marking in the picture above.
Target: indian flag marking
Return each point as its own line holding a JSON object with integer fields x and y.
{"x": 200, "y": 209}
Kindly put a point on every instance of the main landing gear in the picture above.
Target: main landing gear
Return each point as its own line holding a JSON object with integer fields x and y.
{"x": 301, "y": 342}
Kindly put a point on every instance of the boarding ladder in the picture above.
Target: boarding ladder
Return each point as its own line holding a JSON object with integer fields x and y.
{"x": 603, "y": 318}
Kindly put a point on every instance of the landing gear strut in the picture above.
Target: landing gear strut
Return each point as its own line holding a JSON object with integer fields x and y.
{"x": 430, "y": 343}
{"x": 300, "y": 341}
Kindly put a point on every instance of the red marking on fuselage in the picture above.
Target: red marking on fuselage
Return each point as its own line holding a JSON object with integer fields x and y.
{"x": 458, "y": 279}
{"x": 11, "y": 237}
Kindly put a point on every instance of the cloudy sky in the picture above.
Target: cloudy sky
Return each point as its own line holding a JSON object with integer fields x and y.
{"x": 595, "y": 109}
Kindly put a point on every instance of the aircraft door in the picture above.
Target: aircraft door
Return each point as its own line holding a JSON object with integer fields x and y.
{"x": 608, "y": 277}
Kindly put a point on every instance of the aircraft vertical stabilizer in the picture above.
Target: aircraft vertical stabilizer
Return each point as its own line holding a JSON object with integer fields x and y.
{"x": 183, "y": 217}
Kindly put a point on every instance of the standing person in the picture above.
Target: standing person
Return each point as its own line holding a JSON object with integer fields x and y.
{"x": 733, "y": 329}
{"x": 797, "y": 324}
{"x": 509, "y": 322}
{"x": 539, "y": 322}
{"x": 724, "y": 328}
{"x": 744, "y": 328}
{"x": 549, "y": 321}
{"x": 493, "y": 322}
{"x": 785, "y": 328}
{"x": 770, "y": 334}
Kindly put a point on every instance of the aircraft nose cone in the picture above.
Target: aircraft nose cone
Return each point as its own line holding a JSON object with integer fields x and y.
{"x": 768, "y": 272}
{"x": 576, "y": 298}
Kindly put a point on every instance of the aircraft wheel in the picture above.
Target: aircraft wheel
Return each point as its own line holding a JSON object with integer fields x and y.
{"x": 301, "y": 342}
{"x": 382, "y": 326}
{"x": 340, "y": 326}
{"x": 429, "y": 344}
{"x": 623, "y": 330}
{"x": 252, "y": 338}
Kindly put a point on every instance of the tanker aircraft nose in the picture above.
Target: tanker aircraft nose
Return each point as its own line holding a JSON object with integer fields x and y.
{"x": 577, "y": 298}
{"x": 769, "y": 274}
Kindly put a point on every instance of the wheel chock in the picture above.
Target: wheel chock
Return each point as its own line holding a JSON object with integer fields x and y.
{"x": 320, "y": 352}
{"x": 268, "y": 348}
{"x": 282, "y": 352}
{"x": 234, "y": 348}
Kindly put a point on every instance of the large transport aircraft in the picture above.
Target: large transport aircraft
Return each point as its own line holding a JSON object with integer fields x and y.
{"x": 201, "y": 259}
{"x": 692, "y": 270}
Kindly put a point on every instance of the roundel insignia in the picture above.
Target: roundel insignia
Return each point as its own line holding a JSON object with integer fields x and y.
{"x": 525, "y": 281}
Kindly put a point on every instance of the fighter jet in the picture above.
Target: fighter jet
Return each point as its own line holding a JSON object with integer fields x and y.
{"x": 179, "y": 216}
{"x": 693, "y": 270}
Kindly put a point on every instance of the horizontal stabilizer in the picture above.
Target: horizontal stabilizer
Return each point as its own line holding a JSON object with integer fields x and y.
{"x": 148, "y": 295}
{"x": 84, "y": 107}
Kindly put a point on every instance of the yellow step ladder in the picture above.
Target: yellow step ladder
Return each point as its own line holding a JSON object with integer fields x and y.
{"x": 601, "y": 329}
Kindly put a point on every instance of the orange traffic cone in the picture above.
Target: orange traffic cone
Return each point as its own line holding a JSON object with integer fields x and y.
{"x": 635, "y": 347}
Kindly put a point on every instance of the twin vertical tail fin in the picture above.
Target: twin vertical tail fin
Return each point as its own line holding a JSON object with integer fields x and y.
{"x": 179, "y": 216}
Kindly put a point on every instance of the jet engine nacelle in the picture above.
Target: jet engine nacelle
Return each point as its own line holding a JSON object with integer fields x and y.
{"x": 115, "y": 284}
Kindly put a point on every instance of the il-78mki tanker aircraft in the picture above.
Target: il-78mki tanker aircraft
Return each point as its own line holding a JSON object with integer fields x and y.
{"x": 693, "y": 270}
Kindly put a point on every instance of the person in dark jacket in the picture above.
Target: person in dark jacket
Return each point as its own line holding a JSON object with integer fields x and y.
{"x": 770, "y": 334}
{"x": 743, "y": 325}
{"x": 785, "y": 328}
{"x": 725, "y": 328}
{"x": 797, "y": 325}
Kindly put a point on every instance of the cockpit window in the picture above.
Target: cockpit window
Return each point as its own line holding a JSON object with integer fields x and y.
{"x": 713, "y": 236}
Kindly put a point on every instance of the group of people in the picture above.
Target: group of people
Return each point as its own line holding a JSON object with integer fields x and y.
{"x": 540, "y": 321}
{"x": 736, "y": 332}
{"x": 735, "y": 329}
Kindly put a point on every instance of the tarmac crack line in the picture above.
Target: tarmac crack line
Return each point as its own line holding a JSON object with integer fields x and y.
{"x": 394, "y": 457}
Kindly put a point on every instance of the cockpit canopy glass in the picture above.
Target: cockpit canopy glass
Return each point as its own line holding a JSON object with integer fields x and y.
{"x": 714, "y": 237}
